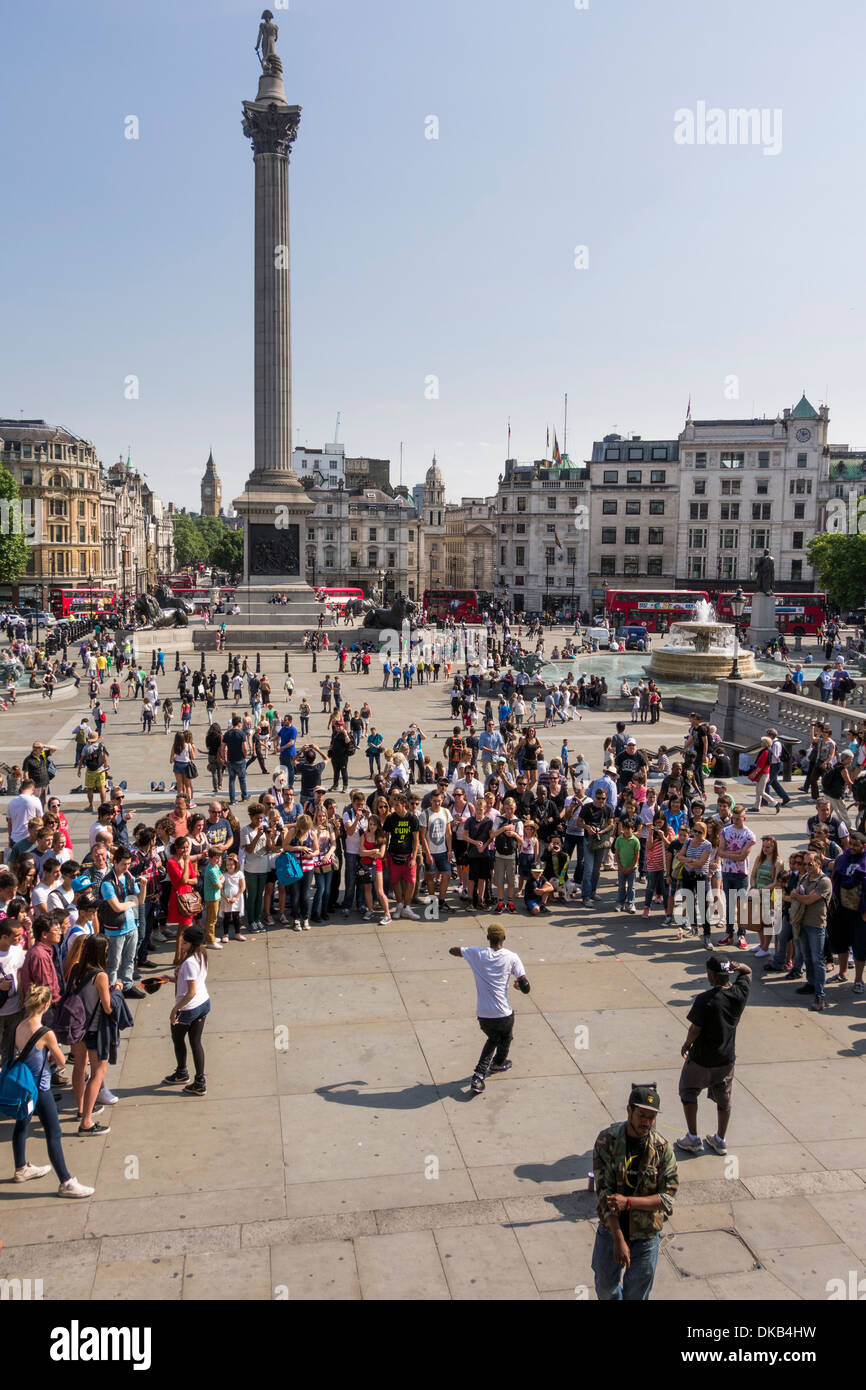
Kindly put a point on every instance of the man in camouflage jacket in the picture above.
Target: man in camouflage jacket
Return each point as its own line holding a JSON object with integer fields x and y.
{"x": 636, "y": 1180}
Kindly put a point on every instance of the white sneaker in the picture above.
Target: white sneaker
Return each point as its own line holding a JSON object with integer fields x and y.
{"x": 306, "y": 926}
{"x": 396, "y": 912}
{"x": 689, "y": 1145}
{"x": 73, "y": 1188}
{"x": 30, "y": 1171}
{"x": 158, "y": 937}
{"x": 297, "y": 925}
{"x": 407, "y": 912}
{"x": 383, "y": 921}
{"x": 106, "y": 1097}
{"x": 759, "y": 953}
{"x": 215, "y": 946}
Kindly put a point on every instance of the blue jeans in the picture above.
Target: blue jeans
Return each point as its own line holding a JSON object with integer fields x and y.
{"x": 321, "y": 892}
{"x": 592, "y": 861}
{"x": 374, "y": 756}
{"x": 774, "y": 782}
{"x": 301, "y": 891}
{"x": 781, "y": 953}
{"x": 632, "y": 1285}
{"x": 121, "y": 957}
{"x": 812, "y": 945}
{"x": 625, "y": 889}
{"x": 575, "y": 842}
{"x": 733, "y": 883}
{"x": 237, "y": 771}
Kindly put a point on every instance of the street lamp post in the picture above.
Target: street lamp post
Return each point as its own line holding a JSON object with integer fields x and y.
{"x": 738, "y": 605}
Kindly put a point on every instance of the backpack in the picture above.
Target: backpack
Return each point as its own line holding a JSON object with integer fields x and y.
{"x": 70, "y": 1019}
{"x": 858, "y": 791}
{"x": 832, "y": 781}
{"x": 287, "y": 868}
{"x": 19, "y": 1090}
{"x": 93, "y": 758}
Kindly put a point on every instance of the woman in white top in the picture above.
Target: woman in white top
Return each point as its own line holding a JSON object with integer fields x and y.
{"x": 191, "y": 1008}
{"x": 180, "y": 757}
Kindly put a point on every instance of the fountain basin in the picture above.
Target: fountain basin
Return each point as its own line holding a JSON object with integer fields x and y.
{"x": 683, "y": 664}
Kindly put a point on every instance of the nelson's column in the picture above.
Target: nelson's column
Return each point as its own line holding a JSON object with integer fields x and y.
{"x": 274, "y": 506}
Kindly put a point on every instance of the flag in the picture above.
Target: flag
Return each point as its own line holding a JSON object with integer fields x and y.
{"x": 560, "y": 553}
{"x": 689, "y": 409}
{"x": 557, "y": 456}
{"x": 509, "y": 436}
{"x": 547, "y": 442}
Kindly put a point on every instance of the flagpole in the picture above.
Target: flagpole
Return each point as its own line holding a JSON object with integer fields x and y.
{"x": 565, "y": 427}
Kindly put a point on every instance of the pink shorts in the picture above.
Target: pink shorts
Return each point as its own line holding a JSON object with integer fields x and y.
{"x": 401, "y": 873}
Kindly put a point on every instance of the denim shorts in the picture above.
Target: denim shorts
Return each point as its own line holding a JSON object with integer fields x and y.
{"x": 188, "y": 1016}
{"x": 441, "y": 862}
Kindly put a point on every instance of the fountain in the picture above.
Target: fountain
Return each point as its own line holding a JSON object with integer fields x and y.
{"x": 701, "y": 650}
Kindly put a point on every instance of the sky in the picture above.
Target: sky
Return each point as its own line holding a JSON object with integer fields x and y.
{"x": 711, "y": 271}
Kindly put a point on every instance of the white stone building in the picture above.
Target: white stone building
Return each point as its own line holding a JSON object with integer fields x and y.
{"x": 746, "y": 485}
{"x": 542, "y": 542}
{"x": 634, "y": 514}
{"x": 363, "y": 539}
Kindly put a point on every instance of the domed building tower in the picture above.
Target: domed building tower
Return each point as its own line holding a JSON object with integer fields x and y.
{"x": 211, "y": 490}
{"x": 434, "y": 495}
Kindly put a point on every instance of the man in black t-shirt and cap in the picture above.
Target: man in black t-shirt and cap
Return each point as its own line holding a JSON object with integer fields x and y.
{"x": 710, "y": 1050}
{"x": 628, "y": 762}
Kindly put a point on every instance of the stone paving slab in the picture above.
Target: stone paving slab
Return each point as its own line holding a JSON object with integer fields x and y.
{"x": 402, "y": 1190}
{"x": 325, "y": 1271}
{"x": 619, "y": 1040}
{"x": 151, "y": 1281}
{"x": 485, "y": 1262}
{"x": 360, "y": 1132}
{"x": 243, "y": 1275}
{"x": 452, "y": 1046}
{"x": 382, "y": 1055}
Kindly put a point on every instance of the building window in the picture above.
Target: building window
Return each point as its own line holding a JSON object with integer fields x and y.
{"x": 392, "y": 533}
{"x": 700, "y": 460}
{"x": 698, "y": 511}
{"x": 503, "y": 504}
{"x": 660, "y": 451}
{"x": 329, "y": 509}
{"x": 353, "y": 533}
{"x": 520, "y": 579}
{"x": 762, "y": 487}
{"x": 372, "y": 534}
{"x": 613, "y": 455}
{"x": 796, "y": 569}
{"x": 799, "y": 511}
{"x": 503, "y": 529}
{"x": 502, "y": 560}
{"x": 700, "y": 487}
{"x": 392, "y": 559}
{"x": 608, "y": 564}
{"x": 730, "y": 487}
{"x": 311, "y": 535}
{"x": 373, "y": 560}
{"x": 729, "y": 460}
{"x": 608, "y": 535}
{"x": 27, "y": 451}
{"x": 697, "y": 538}
{"x": 631, "y": 565}
{"x": 657, "y": 475}
{"x": 520, "y": 528}
{"x": 697, "y": 567}
{"x": 610, "y": 475}
{"x": 797, "y": 542}
{"x": 551, "y": 529}
{"x": 329, "y": 533}
{"x": 728, "y": 567}
{"x": 763, "y": 458}
{"x": 657, "y": 508}
{"x": 551, "y": 504}
{"x": 608, "y": 506}
{"x": 632, "y": 507}
{"x": 571, "y": 556}
{"x": 802, "y": 460}
{"x": 730, "y": 511}
{"x": 82, "y": 536}
{"x": 353, "y": 559}
{"x": 329, "y": 559}
{"x": 411, "y": 536}
{"x": 633, "y": 475}
{"x": 759, "y": 539}
{"x": 632, "y": 535}
{"x": 800, "y": 487}
{"x": 521, "y": 504}
{"x": 635, "y": 452}
{"x": 519, "y": 555}
{"x": 549, "y": 554}
{"x": 27, "y": 477}
{"x": 656, "y": 535}
{"x": 728, "y": 540}
{"x": 654, "y": 564}
{"x": 81, "y": 480}
{"x": 761, "y": 511}
{"x": 81, "y": 509}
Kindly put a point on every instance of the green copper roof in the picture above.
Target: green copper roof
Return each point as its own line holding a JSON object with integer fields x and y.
{"x": 803, "y": 410}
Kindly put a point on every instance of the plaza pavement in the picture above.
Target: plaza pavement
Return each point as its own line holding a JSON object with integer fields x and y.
{"x": 339, "y": 1154}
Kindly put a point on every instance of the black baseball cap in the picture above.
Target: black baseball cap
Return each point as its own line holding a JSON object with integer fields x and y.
{"x": 646, "y": 1096}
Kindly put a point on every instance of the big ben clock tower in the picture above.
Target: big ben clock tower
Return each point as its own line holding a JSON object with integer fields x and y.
{"x": 211, "y": 490}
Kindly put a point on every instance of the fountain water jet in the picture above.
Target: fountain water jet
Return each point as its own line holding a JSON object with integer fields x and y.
{"x": 701, "y": 650}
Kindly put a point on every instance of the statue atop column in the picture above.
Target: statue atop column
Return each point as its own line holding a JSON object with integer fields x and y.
{"x": 765, "y": 574}
{"x": 266, "y": 45}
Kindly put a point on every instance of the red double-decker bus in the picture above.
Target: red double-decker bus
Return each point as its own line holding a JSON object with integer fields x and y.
{"x": 654, "y": 609}
{"x": 463, "y": 605}
{"x": 80, "y": 603}
{"x": 798, "y": 614}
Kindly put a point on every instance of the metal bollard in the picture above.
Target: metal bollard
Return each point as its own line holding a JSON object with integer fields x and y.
{"x": 258, "y": 663}
{"x": 201, "y": 668}
{"x": 285, "y": 663}
{"x": 177, "y": 661}
{"x": 153, "y": 661}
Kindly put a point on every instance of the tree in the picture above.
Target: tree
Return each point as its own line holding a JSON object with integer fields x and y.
{"x": 228, "y": 553}
{"x": 839, "y": 561}
{"x": 208, "y": 540}
{"x": 14, "y": 550}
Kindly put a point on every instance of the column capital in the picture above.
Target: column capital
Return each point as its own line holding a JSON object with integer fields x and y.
{"x": 272, "y": 128}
